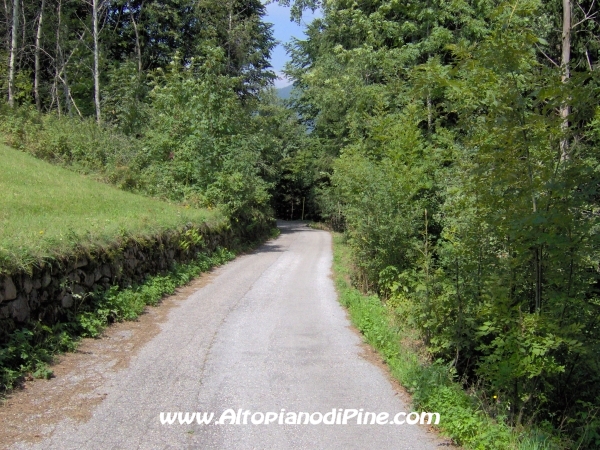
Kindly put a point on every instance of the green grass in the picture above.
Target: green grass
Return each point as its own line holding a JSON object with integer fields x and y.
{"x": 432, "y": 384}
{"x": 46, "y": 210}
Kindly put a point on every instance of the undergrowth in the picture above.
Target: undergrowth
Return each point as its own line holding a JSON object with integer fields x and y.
{"x": 31, "y": 349}
{"x": 433, "y": 385}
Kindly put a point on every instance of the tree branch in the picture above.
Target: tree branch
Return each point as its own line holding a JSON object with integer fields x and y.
{"x": 549, "y": 59}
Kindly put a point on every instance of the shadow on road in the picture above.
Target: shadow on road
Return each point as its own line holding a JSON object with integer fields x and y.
{"x": 286, "y": 227}
{"x": 292, "y": 226}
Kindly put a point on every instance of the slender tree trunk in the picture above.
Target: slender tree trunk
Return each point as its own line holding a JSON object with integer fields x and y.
{"x": 23, "y": 25}
{"x": 566, "y": 40}
{"x": 13, "y": 54}
{"x": 96, "y": 61}
{"x": 565, "y": 109}
{"x": 60, "y": 65}
{"x": 7, "y": 16}
{"x": 66, "y": 87}
{"x": 429, "y": 113}
{"x": 229, "y": 29}
{"x": 138, "y": 47}
{"x": 38, "y": 39}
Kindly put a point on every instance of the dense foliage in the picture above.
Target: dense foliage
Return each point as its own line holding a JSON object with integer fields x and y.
{"x": 179, "y": 95}
{"x": 456, "y": 143}
{"x": 57, "y": 41}
{"x": 465, "y": 169}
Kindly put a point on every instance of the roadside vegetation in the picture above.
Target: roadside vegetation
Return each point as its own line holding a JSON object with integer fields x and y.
{"x": 467, "y": 417}
{"x": 167, "y": 99}
{"x": 458, "y": 147}
{"x": 456, "y": 144}
{"x": 30, "y": 350}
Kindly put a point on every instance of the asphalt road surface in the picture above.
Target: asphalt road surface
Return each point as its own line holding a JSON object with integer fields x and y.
{"x": 266, "y": 334}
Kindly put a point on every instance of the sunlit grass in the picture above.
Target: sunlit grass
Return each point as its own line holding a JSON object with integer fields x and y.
{"x": 46, "y": 210}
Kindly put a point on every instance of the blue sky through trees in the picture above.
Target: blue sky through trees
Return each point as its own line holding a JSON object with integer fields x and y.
{"x": 284, "y": 29}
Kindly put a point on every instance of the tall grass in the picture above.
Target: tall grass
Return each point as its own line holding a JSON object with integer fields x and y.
{"x": 75, "y": 143}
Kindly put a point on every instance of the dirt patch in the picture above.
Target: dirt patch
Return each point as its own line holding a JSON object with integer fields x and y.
{"x": 32, "y": 412}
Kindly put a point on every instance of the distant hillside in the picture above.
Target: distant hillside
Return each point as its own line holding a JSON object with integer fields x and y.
{"x": 285, "y": 92}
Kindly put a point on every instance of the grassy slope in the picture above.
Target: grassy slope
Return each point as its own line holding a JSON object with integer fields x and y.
{"x": 46, "y": 210}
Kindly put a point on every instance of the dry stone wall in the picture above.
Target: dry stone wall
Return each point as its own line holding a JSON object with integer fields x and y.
{"x": 52, "y": 288}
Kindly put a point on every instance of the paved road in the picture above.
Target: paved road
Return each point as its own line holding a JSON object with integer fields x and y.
{"x": 266, "y": 334}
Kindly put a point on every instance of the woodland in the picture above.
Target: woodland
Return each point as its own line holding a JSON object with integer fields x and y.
{"x": 456, "y": 144}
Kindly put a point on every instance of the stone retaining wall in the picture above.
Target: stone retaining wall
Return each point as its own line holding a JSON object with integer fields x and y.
{"x": 50, "y": 290}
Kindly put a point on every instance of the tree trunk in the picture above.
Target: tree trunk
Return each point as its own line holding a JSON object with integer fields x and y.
{"x": 13, "y": 54}
{"x": 229, "y": 29}
{"x": 7, "y": 18}
{"x": 565, "y": 109}
{"x": 38, "y": 39}
{"x": 138, "y": 47}
{"x": 23, "y": 25}
{"x": 96, "y": 61}
{"x": 60, "y": 67}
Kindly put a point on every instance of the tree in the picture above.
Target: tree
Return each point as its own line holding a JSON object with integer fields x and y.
{"x": 96, "y": 6}
{"x": 38, "y": 49}
{"x": 464, "y": 168}
{"x": 13, "y": 53}
{"x": 237, "y": 27}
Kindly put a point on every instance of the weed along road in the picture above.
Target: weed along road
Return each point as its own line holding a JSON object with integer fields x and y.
{"x": 264, "y": 340}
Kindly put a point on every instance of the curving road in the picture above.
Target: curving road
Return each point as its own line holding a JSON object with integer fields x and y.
{"x": 266, "y": 334}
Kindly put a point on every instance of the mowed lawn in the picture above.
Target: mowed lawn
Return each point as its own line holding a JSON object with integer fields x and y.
{"x": 46, "y": 210}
